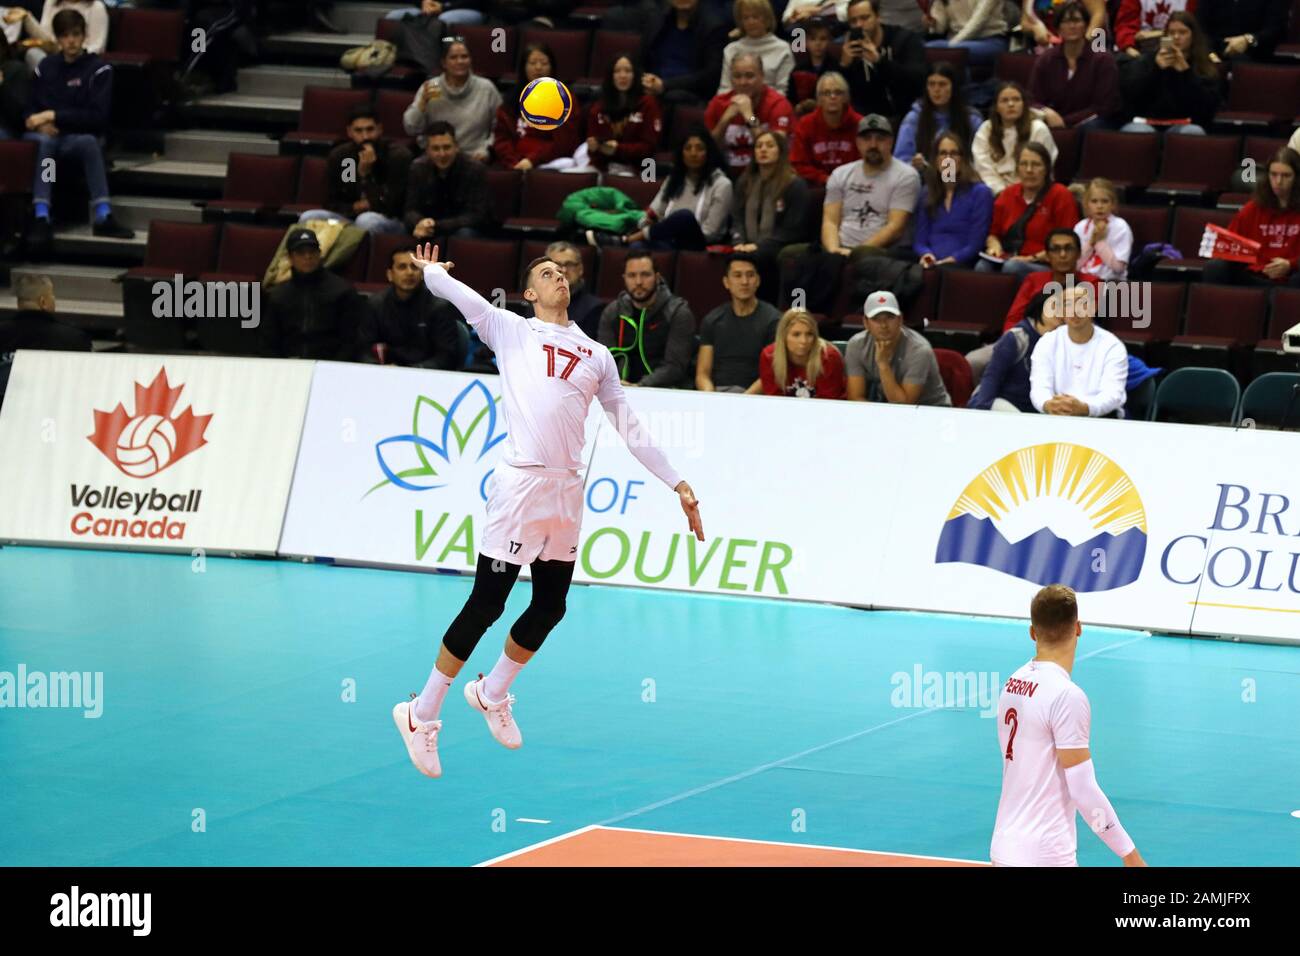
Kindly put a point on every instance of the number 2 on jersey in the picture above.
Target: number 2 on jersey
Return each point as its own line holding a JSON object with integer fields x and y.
{"x": 551, "y": 352}
{"x": 1014, "y": 720}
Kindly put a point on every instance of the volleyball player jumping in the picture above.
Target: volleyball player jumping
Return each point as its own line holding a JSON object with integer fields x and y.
{"x": 1044, "y": 720}
{"x": 550, "y": 372}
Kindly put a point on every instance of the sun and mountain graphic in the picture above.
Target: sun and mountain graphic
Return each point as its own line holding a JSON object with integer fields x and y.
{"x": 472, "y": 412}
{"x": 144, "y": 442}
{"x": 1050, "y": 514}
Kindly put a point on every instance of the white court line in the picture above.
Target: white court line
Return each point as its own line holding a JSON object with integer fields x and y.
{"x": 806, "y": 846}
{"x": 767, "y": 766}
{"x": 529, "y": 820}
{"x": 1111, "y": 647}
{"x": 536, "y": 846}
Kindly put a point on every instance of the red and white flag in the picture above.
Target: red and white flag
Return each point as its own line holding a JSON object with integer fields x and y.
{"x": 1219, "y": 243}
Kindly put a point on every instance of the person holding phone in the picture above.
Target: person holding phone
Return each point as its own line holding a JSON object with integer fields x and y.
{"x": 1175, "y": 87}
{"x": 884, "y": 64}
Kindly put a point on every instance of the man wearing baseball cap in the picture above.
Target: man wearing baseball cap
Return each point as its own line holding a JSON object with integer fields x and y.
{"x": 316, "y": 314}
{"x": 888, "y": 362}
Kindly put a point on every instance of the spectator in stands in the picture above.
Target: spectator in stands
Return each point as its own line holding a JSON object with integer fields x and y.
{"x": 453, "y": 12}
{"x": 684, "y": 53}
{"x": 516, "y": 144}
{"x": 446, "y": 191}
{"x": 1245, "y": 29}
{"x": 1075, "y": 85}
{"x": 733, "y": 336}
{"x": 1107, "y": 240}
{"x": 624, "y": 124}
{"x": 1079, "y": 368}
{"x": 413, "y": 326}
{"x": 468, "y": 102}
{"x": 810, "y": 65}
{"x": 1004, "y": 386}
{"x": 769, "y": 208}
{"x": 692, "y": 209}
{"x": 1063, "y": 250}
{"x": 979, "y": 26}
{"x": 998, "y": 142}
{"x": 888, "y": 362}
{"x": 804, "y": 13}
{"x": 542, "y": 13}
{"x": 884, "y": 64}
{"x": 735, "y": 118}
{"x": 316, "y": 314}
{"x": 757, "y": 25}
{"x": 34, "y": 325}
{"x": 826, "y": 138}
{"x": 649, "y": 331}
{"x": 903, "y": 13}
{"x": 1139, "y": 24}
{"x": 1177, "y": 80}
{"x": 230, "y": 38}
{"x": 955, "y": 208}
{"x": 15, "y": 85}
{"x": 366, "y": 177}
{"x": 1025, "y": 213}
{"x": 94, "y": 14}
{"x": 1271, "y": 218}
{"x": 1039, "y": 20}
{"x": 67, "y": 110}
{"x": 942, "y": 106}
{"x": 800, "y": 363}
{"x": 584, "y": 307}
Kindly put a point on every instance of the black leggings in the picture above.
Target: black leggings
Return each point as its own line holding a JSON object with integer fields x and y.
{"x": 487, "y": 601}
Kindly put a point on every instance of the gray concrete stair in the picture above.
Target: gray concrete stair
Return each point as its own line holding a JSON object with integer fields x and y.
{"x": 288, "y": 81}
{"x": 242, "y": 107}
{"x": 214, "y": 146}
{"x": 136, "y": 212}
{"x": 361, "y": 17}
{"x": 142, "y": 171}
{"x": 323, "y": 45}
{"x": 82, "y": 241}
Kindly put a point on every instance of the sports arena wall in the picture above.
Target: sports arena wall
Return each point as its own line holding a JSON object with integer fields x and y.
{"x": 1173, "y": 528}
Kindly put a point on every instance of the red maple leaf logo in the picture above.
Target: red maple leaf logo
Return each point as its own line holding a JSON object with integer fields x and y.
{"x": 153, "y": 409}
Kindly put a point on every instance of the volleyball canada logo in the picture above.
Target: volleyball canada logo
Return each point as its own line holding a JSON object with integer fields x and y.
{"x": 144, "y": 442}
{"x": 1050, "y": 514}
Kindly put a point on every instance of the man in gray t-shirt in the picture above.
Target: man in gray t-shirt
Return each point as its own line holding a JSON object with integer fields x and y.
{"x": 870, "y": 201}
{"x": 887, "y": 362}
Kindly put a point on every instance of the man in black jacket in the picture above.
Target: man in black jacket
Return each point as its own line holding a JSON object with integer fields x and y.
{"x": 316, "y": 314}
{"x": 1244, "y": 29}
{"x": 67, "y": 111}
{"x": 584, "y": 307}
{"x": 885, "y": 65}
{"x": 15, "y": 81}
{"x": 34, "y": 326}
{"x": 446, "y": 193}
{"x": 683, "y": 53}
{"x": 650, "y": 331}
{"x": 366, "y": 177}
{"x": 413, "y": 326}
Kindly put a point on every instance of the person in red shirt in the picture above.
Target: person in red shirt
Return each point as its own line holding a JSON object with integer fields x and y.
{"x": 800, "y": 363}
{"x": 1271, "y": 218}
{"x": 1025, "y": 213}
{"x": 515, "y": 144}
{"x": 826, "y": 137}
{"x": 623, "y": 126}
{"x": 751, "y": 107}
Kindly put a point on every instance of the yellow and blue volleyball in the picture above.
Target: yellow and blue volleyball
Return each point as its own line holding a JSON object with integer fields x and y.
{"x": 545, "y": 103}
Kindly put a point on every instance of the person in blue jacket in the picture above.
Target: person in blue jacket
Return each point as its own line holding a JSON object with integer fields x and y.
{"x": 941, "y": 107}
{"x": 1004, "y": 386}
{"x": 955, "y": 208}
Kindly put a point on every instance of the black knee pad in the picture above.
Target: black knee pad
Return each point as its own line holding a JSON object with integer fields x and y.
{"x": 492, "y": 583}
{"x": 550, "y": 588}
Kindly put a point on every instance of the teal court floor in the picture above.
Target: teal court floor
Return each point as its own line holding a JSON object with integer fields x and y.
{"x": 246, "y": 721}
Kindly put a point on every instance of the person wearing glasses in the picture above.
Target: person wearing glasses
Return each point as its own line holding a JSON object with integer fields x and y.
{"x": 826, "y": 138}
{"x": 649, "y": 331}
{"x": 584, "y": 307}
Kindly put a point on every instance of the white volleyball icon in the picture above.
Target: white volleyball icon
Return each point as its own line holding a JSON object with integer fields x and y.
{"x": 146, "y": 445}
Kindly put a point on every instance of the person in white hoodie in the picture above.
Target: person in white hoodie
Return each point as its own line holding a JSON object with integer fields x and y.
{"x": 757, "y": 25}
{"x": 1078, "y": 368}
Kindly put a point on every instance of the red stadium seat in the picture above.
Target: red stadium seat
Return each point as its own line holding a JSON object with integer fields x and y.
{"x": 610, "y": 280}
{"x": 544, "y": 191}
{"x": 324, "y": 116}
{"x": 254, "y": 186}
{"x": 244, "y": 254}
{"x": 1196, "y": 165}
{"x": 572, "y": 49}
{"x": 313, "y": 188}
{"x": 1016, "y": 67}
{"x": 1126, "y": 159}
{"x": 187, "y": 249}
{"x": 1189, "y": 226}
{"x": 639, "y": 190}
{"x": 504, "y": 185}
{"x": 698, "y": 280}
{"x": 1149, "y": 224}
{"x": 390, "y": 105}
{"x": 1165, "y": 316}
{"x": 955, "y": 56}
{"x": 1223, "y": 317}
{"x": 1261, "y": 96}
{"x": 1067, "y": 156}
{"x": 142, "y": 37}
{"x": 484, "y": 264}
{"x": 606, "y": 46}
{"x": 1289, "y": 48}
{"x": 490, "y": 58}
{"x": 957, "y": 376}
{"x": 974, "y": 303}
{"x": 1284, "y": 312}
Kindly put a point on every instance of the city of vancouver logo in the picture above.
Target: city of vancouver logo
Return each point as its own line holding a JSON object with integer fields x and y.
{"x": 143, "y": 442}
{"x": 1050, "y": 514}
{"x": 405, "y": 460}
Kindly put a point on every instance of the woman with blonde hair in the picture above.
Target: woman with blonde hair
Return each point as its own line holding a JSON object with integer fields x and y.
{"x": 756, "y": 27}
{"x": 801, "y": 363}
{"x": 1105, "y": 239}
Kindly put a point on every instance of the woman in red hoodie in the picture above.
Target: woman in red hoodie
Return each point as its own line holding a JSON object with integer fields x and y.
{"x": 623, "y": 125}
{"x": 1271, "y": 218}
{"x": 517, "y": 145}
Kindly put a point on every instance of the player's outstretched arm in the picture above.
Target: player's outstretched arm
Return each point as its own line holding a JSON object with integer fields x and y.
{"x": 439, "y": 281}
{"x": 1081, "y": 781}
{"x": 691, "y": 505}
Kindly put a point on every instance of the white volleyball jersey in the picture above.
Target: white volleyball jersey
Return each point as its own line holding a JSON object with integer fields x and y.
{"x": 1040, "y": 711}
{"x": 549, "y": 375}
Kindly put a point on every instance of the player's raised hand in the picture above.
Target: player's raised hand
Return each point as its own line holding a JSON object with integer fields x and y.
{"x": 427, "y": 255}
{"x": 691, "y": 506}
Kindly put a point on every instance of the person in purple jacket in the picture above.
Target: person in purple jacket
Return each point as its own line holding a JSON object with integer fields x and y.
{"x": 1004, "y": 387}
{"x": 1074, "y": 83}
{"x": 67, "y": 111}
{"x": 955, "y": 209}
